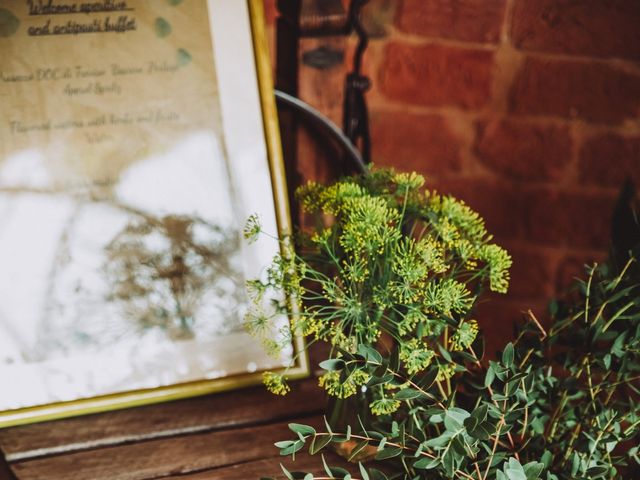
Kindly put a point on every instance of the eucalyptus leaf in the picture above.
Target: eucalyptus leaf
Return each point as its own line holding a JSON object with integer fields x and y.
{"x": 318, "y": 443}
{"x": 360, "y": 446}
{"x": 407, "y": 394}
{"x": 388, "y": 452}
{"x": 370, "y": 354}
{"x": 363, "y": 472}
{"x": 304, "y": 430}
{"x": 507, "y": 356}
{"x": 332, "y": 364}
{"x": 426, "y": 463}
{"x": 377, "y": 474}
{"x": 489, "y": 377}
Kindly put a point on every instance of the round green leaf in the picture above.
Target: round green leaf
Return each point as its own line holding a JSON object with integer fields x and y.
{"x": 9, "y": 23}
{"x": 162, "y": 27}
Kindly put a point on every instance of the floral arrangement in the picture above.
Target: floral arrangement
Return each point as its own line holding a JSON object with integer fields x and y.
{"x": 387, "y": 263}
{"x": 388, "y": 277}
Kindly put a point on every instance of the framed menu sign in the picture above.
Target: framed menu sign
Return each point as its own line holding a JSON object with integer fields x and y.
{"x": 135, "y": 138}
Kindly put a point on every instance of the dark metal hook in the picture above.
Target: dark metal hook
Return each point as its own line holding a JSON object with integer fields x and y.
{"x": 356, "y": 115}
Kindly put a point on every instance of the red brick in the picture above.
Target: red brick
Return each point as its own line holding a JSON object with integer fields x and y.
{"x": 602, "y": 28}
{"x": 609, "y": 159}
{"x": 523, "y": 150}
{"x": 436, "y": 75}
{"x": 593, "y": 91}
{"x": 532, "y": 273}
{"x": 500, "y": 204}
{"x": 424, "y": 143}
{"x": 571, "y": 219}
{"x": 471, "y": 20}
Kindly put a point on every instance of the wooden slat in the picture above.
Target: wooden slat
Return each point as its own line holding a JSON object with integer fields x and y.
{"x": 161, "y": 458}
{"x": 269, "y": 467}
{"x": 232, "y": 409}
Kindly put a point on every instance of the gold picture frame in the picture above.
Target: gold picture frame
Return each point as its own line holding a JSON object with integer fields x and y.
{"x": 271, "y": 140}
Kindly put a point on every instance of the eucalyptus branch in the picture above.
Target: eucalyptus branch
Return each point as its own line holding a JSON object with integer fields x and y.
{"x": 494, "y": 448}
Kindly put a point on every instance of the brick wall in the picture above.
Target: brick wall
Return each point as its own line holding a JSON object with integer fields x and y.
{"x": 529, "y": 110}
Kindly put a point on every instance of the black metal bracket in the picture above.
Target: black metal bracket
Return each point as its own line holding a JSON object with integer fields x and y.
{"x": 314, "y": 19}
{"x": 317, "y": 118}
{"x": 356, "y": 114}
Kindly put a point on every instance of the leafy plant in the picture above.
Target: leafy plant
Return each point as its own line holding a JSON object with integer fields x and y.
{"x": 561, "y": 404}
{"x": 556, "y": 404}
{"x": 388, "y": 267}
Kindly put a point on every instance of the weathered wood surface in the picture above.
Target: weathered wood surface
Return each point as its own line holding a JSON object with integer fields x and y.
{"x": 220, "y": 436}
{"x": 157, "y": 458}
{"x": 237, "y": 408}
{"x": 269, "y": 467}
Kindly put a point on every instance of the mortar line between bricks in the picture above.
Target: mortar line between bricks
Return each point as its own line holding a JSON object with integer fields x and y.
{"x": 384, "y": 105}
{"x": 396, "y": 35}
{"x": 505, "y": 33}
{"x": 629, "y": 66}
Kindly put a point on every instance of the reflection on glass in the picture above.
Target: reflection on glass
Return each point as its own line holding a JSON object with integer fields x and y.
{"x": 121, "y": 264}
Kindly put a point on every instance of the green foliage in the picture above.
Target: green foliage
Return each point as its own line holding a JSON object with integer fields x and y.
{"x": 386, "y": 262}
{"x": 389, "y": 278}
{"x": 586, "y": 377}
{"x": 561, "y": 404}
